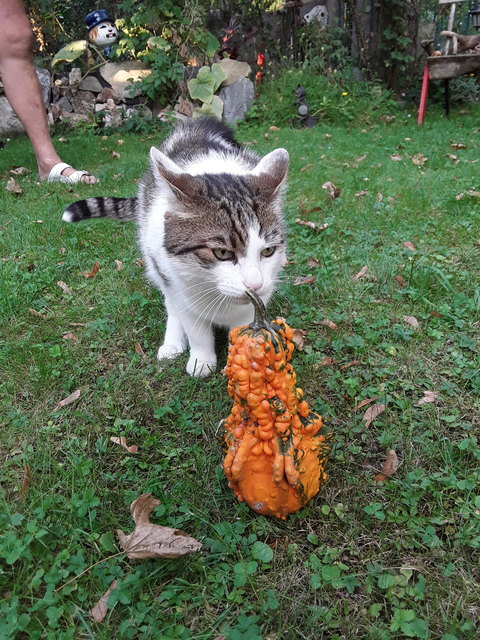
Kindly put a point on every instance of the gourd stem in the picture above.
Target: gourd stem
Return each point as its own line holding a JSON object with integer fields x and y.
{"x": 260, "y": 311}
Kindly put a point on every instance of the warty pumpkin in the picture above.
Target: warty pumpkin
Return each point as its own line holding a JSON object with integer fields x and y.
{"x": 276, "y": 447}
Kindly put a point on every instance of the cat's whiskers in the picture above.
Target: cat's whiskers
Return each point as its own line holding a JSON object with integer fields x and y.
{"x": 206, "y": 310}
{"x": 201, "y": 296}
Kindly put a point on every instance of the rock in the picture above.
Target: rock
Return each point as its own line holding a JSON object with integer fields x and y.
{"x": 90, "y": 83}
{"x": 234, "y": 70}
{"x": 112, "y": 114}
{"x": 74, "y": 76}
{"x": 237, "y": 99}
{"x": 74, "y": 118}
{"x": 108, "y": 94}
{"x": 83, "y": 102}
{"x": 9, "y": 123}
{"x": 64, "y": 104}
{"x": 45, "y": 80}
{"x": 184, "y": 107}
{"x": 121, "y": 75}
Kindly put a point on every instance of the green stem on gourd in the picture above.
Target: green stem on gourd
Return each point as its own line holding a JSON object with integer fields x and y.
{"x": 260, "y": 311}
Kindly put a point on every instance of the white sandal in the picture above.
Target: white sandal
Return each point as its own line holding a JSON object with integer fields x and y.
{"x": 55, "y": 174}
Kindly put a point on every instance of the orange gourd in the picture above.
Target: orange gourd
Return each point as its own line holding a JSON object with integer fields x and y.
{"x": 276, "y": 447}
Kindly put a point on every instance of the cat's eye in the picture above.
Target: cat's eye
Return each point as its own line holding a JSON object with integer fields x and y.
{"x": 223, "y": 254}
{"x": 269, "y": 251}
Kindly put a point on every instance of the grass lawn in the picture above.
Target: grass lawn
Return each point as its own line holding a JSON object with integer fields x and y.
{"x": 398, "y": 559}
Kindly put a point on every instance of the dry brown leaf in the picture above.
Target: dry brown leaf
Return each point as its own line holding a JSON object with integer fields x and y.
{"x": 140, "y": 351}
{"x": 151, "y": 540}
{"x": 379, "y": 197}
{"x": 76, "y": 324}
{"x": 333, "y": 191}
{"x": 326, "y": 361}
{"x": 70, "y": 336}
{"x": 359, "y": 159}
{"x": 27, "y": 479}
{"x": 14, "y": 187}
{"x": 120, "y": 141}
{"x": 349, "y": 364}
{"x": 361, "y": 273}
{"x": 307, "y": 166}
{"x": 115, "y": 154}
{"x": 458, "y": 145}
{"x": 273, "y": 128}
{"x": 313, "y": 262}
{"x": 304, "y": 280}
{"x": 19, "y": 171}
{"x": 372, "y": 412}
{"x": 328, "y": 323}
{"x": 453, "y": 157}
{"x": 390, "y": 465}
{"x": 473, "y": 194}
{"x": 409, "y": 245}
{"x": 139, "y": 262}
{"x": 37, "y": 314}
{"x": 412, "y": 321}
{"x": 396, "y": 157}
{"x": 299, "y": 336}
{"x": 95, "y": 269}
{"x": 361, "y": 193}
{"x": 65, "y": 287}
{"x": 68, "y": 400}
{"x": 122, "y": 441}
{"x": 401, "y": 281}
{"x": 419, "y": 159}
{"x": 364, "y": 402}
{"x": 119, "y": 265}
{"x": 459, "y": 196}
{"x": 62, "y": 251}
{"x": 99, "y": 611}
{"x": 428, "y": 396}
{"x": 312, "y": 225}
{"x": 304, "y": 210}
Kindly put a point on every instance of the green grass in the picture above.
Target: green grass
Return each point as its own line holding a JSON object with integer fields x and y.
{"x": 362, "y": 560}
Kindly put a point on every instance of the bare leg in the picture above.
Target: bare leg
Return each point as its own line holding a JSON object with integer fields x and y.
{"x": 22, "y": 87}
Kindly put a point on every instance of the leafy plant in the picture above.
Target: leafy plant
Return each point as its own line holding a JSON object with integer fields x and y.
{"x": 203, "y": 88}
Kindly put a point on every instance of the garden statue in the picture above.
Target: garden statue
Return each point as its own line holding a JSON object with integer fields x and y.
{"x": 102, "y": 31}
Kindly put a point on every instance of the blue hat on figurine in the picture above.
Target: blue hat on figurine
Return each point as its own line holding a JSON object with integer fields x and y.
{"x": 96, "y": 17}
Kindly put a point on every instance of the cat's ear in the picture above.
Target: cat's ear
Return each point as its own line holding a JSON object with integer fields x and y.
{"x": 270, "y": 174}
{"x": 170, "y": 174}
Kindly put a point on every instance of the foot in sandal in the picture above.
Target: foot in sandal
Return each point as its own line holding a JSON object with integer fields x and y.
{"x": 63, "y": 172}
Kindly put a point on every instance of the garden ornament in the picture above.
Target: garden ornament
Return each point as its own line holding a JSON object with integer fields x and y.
{"x": 305, "y": 119}
{"x": 102, "y": 31}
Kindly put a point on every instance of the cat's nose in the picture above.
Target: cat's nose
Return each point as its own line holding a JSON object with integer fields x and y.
{"x": 253, "y": 283}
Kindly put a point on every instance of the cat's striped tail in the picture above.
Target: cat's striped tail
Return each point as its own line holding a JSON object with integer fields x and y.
{"x": 122, "y": 209}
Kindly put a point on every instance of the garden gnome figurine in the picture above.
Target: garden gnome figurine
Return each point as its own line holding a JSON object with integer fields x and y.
{"x": 102, "y": 31}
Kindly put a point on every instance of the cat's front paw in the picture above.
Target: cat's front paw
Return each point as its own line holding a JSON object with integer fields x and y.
{"x": 169, "y": 351}
{"x": 201, "y": 367}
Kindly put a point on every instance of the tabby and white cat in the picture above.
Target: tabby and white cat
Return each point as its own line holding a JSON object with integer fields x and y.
{"x": 210, "y": 224}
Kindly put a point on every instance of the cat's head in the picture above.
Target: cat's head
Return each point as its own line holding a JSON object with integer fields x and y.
{"x": 226, "y": 228}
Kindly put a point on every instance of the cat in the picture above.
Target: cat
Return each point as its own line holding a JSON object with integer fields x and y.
{"x": 210, "y": 223}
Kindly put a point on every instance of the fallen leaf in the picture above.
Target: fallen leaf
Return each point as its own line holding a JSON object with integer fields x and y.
{"x": 27, "y": 479}
{"x": 458, "y": 145}
{"x": 325, "y": 362}
{"x": 412, "y": 321}
{"x": 453, "y": 157}
{"x": 123, "y": 442}
{"x": 372, "y": 412}
{"x": 401, "y": 281}
{"x": 68, "y": 400}
{"x": 328, "y": 136}
{"x": 364, "y": 402}
{"x": 361, "y": 193}
{"x": 312, "y": 210}
{"x": 273, "y": 128}
{"x": 119, "y": 264}
{"x": 361, "y": 273}
{"x": 459, "y": 196}
{"x": 95, "y": 269}
{"x": 99, "y": 611}
{"x": 473, "y": 194}
{"x": 436, "y": 314}
{"x": 307, "y": 166}
{"x": 154, "y": 541}
{"x": 409, "y": 245}
{"x": 64, "y": 140}
{"x": 349, "y": 364}
{"x": 62, "y": 251}
{"x": 379, "y": 197}
{"x": 64, "y": 287}
{"x": 14, "y": 187}
{"x": 140, "y": 351}
{"x": 139, "y": 262}
{"x": 313, "y": 262}
{"x": 312, "y": 225}
{"x": 333, "y": 191}
{"x": 419, "y": 159}
{"x": 37, "y": 314}
{"x": 120, "y": 141}
{"x": 19, "y": 171}
{"x": 387, "y": 118}
{"x": 304, "y": 280}
{"x": 396, "y": 157}
{"x": 390, "y": 465}
{"x": 76, "y": 324}
{"x": 328, "y": 323}
{"x": 298, "y": 339}
{"x": 428, "y": 396}
{"x": 359, "y": 159}
{"x": 115, "y": 154}
{"x": 70, "y": 336}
